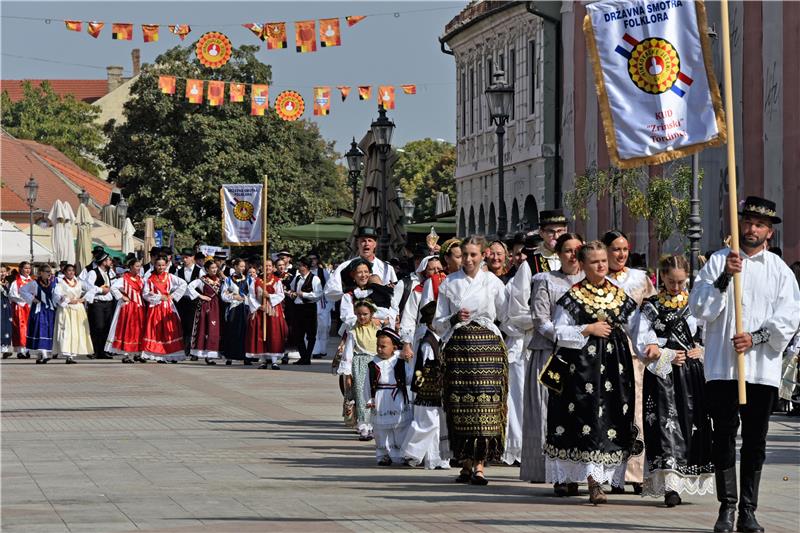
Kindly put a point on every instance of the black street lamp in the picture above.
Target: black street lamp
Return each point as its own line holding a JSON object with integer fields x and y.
{"x": 355, "y": 162}
{"x": 382, "y": 130}
{"x": 84, "y": 197}
{"x": 500, "y": 99}
{"x": 122, "y": 212}
{"x": 32, "y": 188}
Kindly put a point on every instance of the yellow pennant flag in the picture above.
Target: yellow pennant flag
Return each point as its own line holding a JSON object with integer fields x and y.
{"x": 150, "y": 32}
{"x": 275, "y": 33}
{"x": 345, "y": 90}
{"x": 305, "y": 36}
{"x": 409, "y": 89}
{"x": 259, "y": 99}
{"x": 74, "y": 25}
{"x": 166, "y": 84}
{"x": 364, "y": 92}
{"x": 236, "y": 92}
{"x": 386, "y": 96}
{"x": 121, "y": 31}
{"x": 257, "y": 29}
{"x": 354, "y": 19}
{"x": 329, "y": 33}
{"x": 194, "y": 91}
{"x": 93, "y": 28}
{"x": 322, "y": 101}
{"x": 181, "y": 30}
{"x": 216, "y": 92}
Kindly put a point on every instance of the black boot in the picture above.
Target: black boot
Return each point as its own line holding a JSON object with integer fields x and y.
{"x": 726, "y": 495}
{"x": 746, "y": 522}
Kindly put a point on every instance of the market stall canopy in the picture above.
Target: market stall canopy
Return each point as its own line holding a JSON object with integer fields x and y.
{"x": 15, "y": 246}
{"x": 327, "y": 229}
{"x": 445, "y": 226}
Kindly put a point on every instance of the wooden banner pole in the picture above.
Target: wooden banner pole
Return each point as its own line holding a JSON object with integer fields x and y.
{"x": 733, "y": 202}
{"x": 265, "y": 296}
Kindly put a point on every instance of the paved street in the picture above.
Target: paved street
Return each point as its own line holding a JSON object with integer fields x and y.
{"x": 101, "y": 446}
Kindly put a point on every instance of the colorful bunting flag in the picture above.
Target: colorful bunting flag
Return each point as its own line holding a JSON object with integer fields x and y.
{"x": 93, "y": 28}
{"x": 322, "y": 101}
{"x": 409, "y": 89}
{"x": 257, "y": 29}
{"x": 150, "y": 32}
{"x": 259, "y": 101}
{"x": 194, "y": 91}
{"x": 276, "y": 35}
{"x": 305, "y": 36}
{"x": 386, "y": 96}
{"x": 355, "y": 19}
{"x": 181, "y": 30}
{"x": 236, "y": 92}
{"x": 345, "y": 90}
{"x": 364, "y": 92}
{"x": 121, "y": 31}
{"x": 166, "y": 84}
{"x": 74, "y": 25}
{"x": 329, "y": 33}
{"x": 216, "y": 92}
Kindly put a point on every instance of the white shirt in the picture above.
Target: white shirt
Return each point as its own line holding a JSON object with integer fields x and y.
{"x": 333, "y": 288}
{"x": 484, "y": 296}
{"x": 308, "y": 297}
{"x": 409, "y": 319}
{"x": 548, "y": 288}
{"x": 347, "y": 313}
{"x": 94, "y": 293}
{"x": 770, "y": 300}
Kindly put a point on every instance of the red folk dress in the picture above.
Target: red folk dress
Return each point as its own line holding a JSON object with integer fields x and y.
{"x": 127, "y": 328}
{"x": 163, "y": 336}
{"x": 19, "y": 314}
{"x": 207, "y": 329}
{"x": 277, "y": 329}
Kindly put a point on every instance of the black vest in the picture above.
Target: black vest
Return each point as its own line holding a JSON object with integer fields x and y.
{"x": 99, "y": 281}
{"x": 308, "y": 284}
{"x": 195, "y": 273}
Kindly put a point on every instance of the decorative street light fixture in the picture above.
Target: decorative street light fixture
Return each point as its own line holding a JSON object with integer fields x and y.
{"x": 355, "y": 162}
{"x": 84, "y": 197}
{"x": 122, "y": 212}
{"x": 32, "y": 188}
{"x": 500, "y": 99}
{"x": 408, "y": 210}
{"x": 382, "y": 130}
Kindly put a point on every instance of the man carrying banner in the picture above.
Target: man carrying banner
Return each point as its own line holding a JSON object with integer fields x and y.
{"x": 772, "y": 302}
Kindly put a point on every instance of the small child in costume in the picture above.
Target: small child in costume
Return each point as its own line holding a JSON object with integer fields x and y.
{"x": 392, "y": 413}
{"x": 359, "y": 349}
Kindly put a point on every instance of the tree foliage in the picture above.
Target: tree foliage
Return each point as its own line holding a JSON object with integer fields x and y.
{"x": 425, "y": 168}
{"x": 171, "y": 157}
{"x": 59, "y": 121}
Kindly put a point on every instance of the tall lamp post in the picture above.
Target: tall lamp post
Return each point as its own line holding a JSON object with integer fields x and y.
{"x": 382, "y": 130}
{"x": 122, "y": 212}
{"x": 500, "y": 99}
{"x": 32, "y": 188}
{"x": 84, "y": 197}
{"x": 355, "y": 161}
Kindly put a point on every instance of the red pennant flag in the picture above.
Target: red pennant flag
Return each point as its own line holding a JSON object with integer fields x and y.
{"x": 322, "y": 101}
{"x": 93, "y": 28}
{"x": 257, "y": 29}
{"x": 74, "y": 25}
{"x": 216, "y": 92}
{"x": 194, "y": 91}
{"x": 345, "y": 90}
{"x": 275, "y": 33}
{"x": 166, "y": 84}
{"x": 329, "y": 33}
{"x": 386, "y": 96}
{"x": 355, "y": 19}
{"x": 150, "y": 32}
{"x": 237, "y": 92}
{"x": 121, "y": 31}
{"x": 181, "y": 30}
{"x": 259, "y": 99}
{"x": 305, "y": 36}
{"x": 364, "y": 92}
{"x": 409, "y": 89}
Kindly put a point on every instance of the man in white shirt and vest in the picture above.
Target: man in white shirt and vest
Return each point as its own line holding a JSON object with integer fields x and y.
{"x": 186, "y": 306}
{"x": 305, "y": 291}
{"x": 101, "y": 305}
{"x": 770, "y": 316}
{"x": 340, "y": 281}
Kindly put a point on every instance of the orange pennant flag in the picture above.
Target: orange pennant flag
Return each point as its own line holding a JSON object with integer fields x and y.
{"x": 194, "y": 91}
{"x": 93, "y": 28}
{"x": 237, "y": 92}
{"x": 257, "y": 29}
{"x": 329, "y": 33}
{"x": 386, "y": 96}
{"x": 150, "y": 32}
{"x": 409, "y": 89}
{"x": 216, "y": 92}
{"x": 305, "y": 36}
{"x": 259, "y": 99}
{"x": 322, "y": 100}
{"x": 74, "y": 25}
{"x": 166, "y": 84}
{"x": 121, "y": 31}
{"x": 364, "y": 92}
{"x": 181, "y": 30}
{"x": 355, "y": 19}
{"x": 275, "y": 33}
{"x": 345, "y": 90}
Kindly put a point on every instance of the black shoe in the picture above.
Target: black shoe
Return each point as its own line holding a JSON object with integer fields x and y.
{"x": 671, "y": 499}
{"x": 746, "y": 521}
{"x": 193, "y": 358}
{"x": 127, "y": 360}
{"x": 637, "y": 488}
{"x": 617, "y": 490}
{"x": 464, "y": 477}
{"x": 228, "y": 362}
{"x": 318, "y": 356}
{"x": 386, "y": 461}
{"x": 104, "y": 356}
{"x": 247, "y": 362}
{"x": 162, "y": 362}
{"x": 275, "y": 367}
{"x": 725, "y": 481}
{"x": 478, "y": 479}
{"x": 572, "y": 489}
{"x": 70, "y": 361}
{"x": 285, "y": 360}
{"x": 301, "y": 362}
{"x": 90, "y": 356}
{"x": 41, "y": 361}
{"x": 173, "y": 362}
{"x": 6, "y": 355}
{"x": 560, "y": 490}
{"x": 210, "y": 362}
{"x": 263, "y": 366}
{"x": 138, "y": 358}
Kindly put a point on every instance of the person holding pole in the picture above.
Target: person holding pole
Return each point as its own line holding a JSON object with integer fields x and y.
{"x": 770, "y": 313}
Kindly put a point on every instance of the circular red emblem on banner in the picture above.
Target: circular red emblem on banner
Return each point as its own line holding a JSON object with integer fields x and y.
{"x": 213, "y": 49}
{"x": 289, "y": 105}
{"x": 654, "y": 65}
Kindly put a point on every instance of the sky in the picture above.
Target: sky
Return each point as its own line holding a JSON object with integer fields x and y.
{"x": 396, "y": 44}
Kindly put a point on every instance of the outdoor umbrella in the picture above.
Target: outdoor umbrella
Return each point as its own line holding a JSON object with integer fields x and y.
{"x": 108, "y": 214}
{"x": 445, "y": 226}
{"x": 15, "y": 246}
{"x": 83, "y": 245}
{"x": 62, "y": 218}
{"x": 327, "y": 229}
{"x": 149, "y": 238}
{"x": 127, "y": 236}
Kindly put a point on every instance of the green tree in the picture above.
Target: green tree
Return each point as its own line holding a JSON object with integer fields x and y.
{"x": 59, "y": 121}
{"x": 423, "y": 169}
{"x": 171, "y": 157}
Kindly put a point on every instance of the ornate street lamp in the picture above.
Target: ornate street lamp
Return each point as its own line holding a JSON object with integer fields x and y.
{"x": 382, "y": 130}
{"x": 84, "y": 197}
{"x": 355, "y": 162}
{"x": 32, "y": 188}
{"x": 500, "y": 99}
{"x": 408, "y": 210}
{"x": 122, "y": 212}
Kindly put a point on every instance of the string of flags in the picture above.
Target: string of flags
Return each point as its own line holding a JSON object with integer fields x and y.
{"x": 274, "y": 34}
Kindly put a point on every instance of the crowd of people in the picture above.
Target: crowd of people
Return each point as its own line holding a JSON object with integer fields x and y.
{"x": 543, "y": 351}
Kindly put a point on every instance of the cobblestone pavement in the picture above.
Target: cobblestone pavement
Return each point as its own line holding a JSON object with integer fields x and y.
{"x": 101, "y": 446}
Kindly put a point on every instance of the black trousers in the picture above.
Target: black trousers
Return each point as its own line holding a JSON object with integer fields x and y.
{"x": 305, "y": 329}
{"x": 186, "y": 308}
{"x": 100, "y": 315}
{"x": 723, "y": 400}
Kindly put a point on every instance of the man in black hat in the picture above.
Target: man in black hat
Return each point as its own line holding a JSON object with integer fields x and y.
{"x": 770, "y": 317}
{"x": 100, "y": 309}
{"x": 188, "y": 272}
{"x": 97, "y": 251}
{"x": 552, "y": 224}
{"x": 305, "y": 291}
{"x": 155, "y": 252}
{"x": 367, "y": 242}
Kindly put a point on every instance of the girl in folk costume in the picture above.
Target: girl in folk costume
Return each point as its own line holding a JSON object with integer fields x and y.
{"x": 163, "y": 337}
{"x": 207, "y": 328}
{"x": 548, "y": 288}
{"x": 72, "y": 335}
{"x": 265, "y": 304}
{"x": 677, "y": 425}
{"x": 637, "y": 285}
{"x": 6, "y": 322}
{"x": 411, "y": 329}
{"x": 20, "y": 310}
{"x": 42, "y": 318}
{"x": 388, "y": 379}
{"x": 361, "y": 270}
{"x": 127, "y": 327}
{"x": 359, "y": 347}
{"x": 590, "y": 431}
{"x": 450, "y": 254}
{"x": 475, "y": 383}
{"x": 235, "y": 294}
